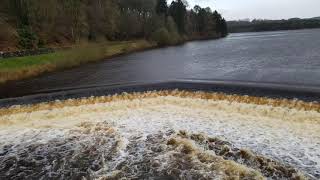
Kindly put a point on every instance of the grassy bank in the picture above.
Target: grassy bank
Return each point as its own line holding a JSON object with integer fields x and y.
{"x": 30, "y": 66}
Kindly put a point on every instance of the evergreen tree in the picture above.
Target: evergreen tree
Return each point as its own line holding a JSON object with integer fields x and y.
{"x": 224, "y": 27}
{"x": 178, "y": 11}
{"x": 162, "y": 7}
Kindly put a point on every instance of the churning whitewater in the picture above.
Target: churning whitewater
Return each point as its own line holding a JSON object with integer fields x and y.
{"x": 162, "y": 135}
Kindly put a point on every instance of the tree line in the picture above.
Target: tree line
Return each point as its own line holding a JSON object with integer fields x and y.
{"x": 273, "y": 25}
{"x": 37, "y": 23}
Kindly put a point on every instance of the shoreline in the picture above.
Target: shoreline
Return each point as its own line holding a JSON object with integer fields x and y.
{"x": 60, "y": 60}
{"x": 8, "y": 75}
{"x": 284, "y": 30}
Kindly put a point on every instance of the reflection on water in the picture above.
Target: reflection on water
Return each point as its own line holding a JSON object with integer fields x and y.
{"x": 168, "y": 134}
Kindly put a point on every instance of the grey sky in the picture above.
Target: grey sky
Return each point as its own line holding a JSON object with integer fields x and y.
{"x": 262, "y": 9}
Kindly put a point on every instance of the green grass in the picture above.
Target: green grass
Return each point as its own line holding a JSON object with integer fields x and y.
{"x": 23, "y": 62}
{"x": 30, "y": 66}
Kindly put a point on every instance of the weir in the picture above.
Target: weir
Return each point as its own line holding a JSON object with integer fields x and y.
{"x": 269, "y": 90}
{"x": 204, "y": 129}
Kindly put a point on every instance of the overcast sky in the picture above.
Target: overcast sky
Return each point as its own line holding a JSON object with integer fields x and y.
{"x": 262, "y": 9}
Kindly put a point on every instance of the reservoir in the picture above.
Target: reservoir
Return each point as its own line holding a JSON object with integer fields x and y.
{"x": 280, "y": 57}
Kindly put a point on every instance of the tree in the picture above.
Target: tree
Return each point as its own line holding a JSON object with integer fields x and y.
{"x": 224, "y": 27}
{"x": 178, "y": 11}
{"x": 36, "y": 23}
{"x": 19, "y": 10}
{"x": 196, "y": 9}
{"x": 162, "y": 7}
{"x": 75, "y": 16}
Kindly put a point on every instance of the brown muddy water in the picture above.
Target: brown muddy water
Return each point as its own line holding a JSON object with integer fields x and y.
{"x": 161, "y": 135}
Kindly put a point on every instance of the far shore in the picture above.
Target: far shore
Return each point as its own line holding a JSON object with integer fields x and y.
{"x": 284, "y": 30}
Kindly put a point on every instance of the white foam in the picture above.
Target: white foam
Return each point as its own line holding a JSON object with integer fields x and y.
{"x": 289, "y": 135}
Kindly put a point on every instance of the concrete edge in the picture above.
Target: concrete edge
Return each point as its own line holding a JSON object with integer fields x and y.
{"x": 308, "y": 94}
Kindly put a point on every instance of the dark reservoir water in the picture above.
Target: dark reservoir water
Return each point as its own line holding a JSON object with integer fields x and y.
{"x": 281, "y": 57}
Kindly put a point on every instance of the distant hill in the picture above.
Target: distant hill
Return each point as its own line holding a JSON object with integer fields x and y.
{"x": 273, "y": 25}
